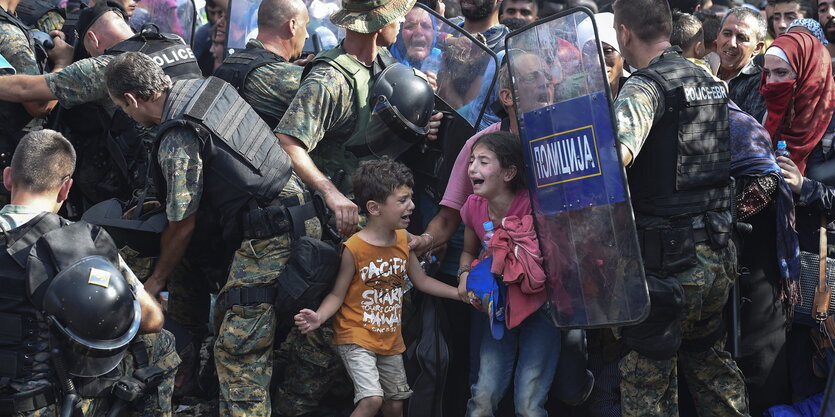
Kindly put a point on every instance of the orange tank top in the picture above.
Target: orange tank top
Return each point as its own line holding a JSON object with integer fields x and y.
{"x": 370, "y": 315}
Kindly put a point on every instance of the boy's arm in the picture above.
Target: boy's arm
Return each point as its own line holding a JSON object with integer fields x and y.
{"x": 468, "y": 255}
{"x": 427, "y": 284}
{"x": 308, "y": 320}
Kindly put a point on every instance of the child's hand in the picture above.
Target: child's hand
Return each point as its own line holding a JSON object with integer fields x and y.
{"x": 462, "y": 288}
{"x": 307, "y": 320}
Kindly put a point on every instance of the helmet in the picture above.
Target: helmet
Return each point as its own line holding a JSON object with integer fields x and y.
{"x": 94, "y": 314}
{"x": 402, "y": 102}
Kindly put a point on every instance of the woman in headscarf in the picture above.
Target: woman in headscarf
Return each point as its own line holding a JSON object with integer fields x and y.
{"x": 416, "y": 44}
{"x": 799, "y": 94}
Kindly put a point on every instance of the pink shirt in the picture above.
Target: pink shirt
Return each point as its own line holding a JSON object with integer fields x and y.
{"x": 459, "y": 186}
{"x": 474, "y": 212}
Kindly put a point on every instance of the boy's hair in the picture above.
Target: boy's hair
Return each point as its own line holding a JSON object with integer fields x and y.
{"x": 376, "y": 180}
{"x": 710, "y": 26}
{"x": 137, "y": 73}
{"x": 42, "y": 161}
{"x": 508, "y": 150}
{"x": 687, "y": 30}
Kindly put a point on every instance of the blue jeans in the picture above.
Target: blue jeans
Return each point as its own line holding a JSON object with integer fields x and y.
{"x": 536, "y": 344}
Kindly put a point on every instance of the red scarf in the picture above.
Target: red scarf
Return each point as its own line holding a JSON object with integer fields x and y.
{"x": 799, "y": 111}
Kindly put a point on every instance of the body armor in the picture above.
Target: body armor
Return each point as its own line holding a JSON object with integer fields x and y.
{"x": 21, "y": 316}
{"x": 684, "y": 167}
{"x": 237, "y": 67}
{"x": 120, "y": 155}
{"x": 29, "y": 11}
{"x": 244, "y": 167}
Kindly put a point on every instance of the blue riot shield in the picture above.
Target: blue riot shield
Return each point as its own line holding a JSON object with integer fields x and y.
{"x": 243, "y": 24}
{"x": 171, "y": 16}
{"x": 578, "y": 188}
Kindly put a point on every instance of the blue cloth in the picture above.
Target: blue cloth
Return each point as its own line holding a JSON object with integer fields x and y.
{"x": 398, "y": 49}
{"x": 752, "y": 155}
{"x": 534, "y": 346}
{"x": 809, "y": 407}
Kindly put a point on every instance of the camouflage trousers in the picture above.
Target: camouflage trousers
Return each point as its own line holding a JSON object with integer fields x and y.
{"x": 649, "y": 387}
{"x": 312, "y": 368}
{"x": 161, "y": 351}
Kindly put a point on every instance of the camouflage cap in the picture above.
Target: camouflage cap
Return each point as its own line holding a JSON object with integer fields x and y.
{"x": 368, "y": 16}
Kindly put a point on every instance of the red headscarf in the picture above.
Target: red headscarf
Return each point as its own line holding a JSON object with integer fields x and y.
{"x": 800, "y": 111}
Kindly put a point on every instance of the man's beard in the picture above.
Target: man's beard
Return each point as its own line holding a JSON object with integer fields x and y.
{"x": 480, "y": 12}
{"x": 829, "y": 30}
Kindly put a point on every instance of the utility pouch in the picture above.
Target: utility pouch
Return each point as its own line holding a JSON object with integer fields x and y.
{"x": 678, "y": 246}
{"x": 266, "y": 222}
{"x": 308, "y": 276}
{"x": 719, "y": 226}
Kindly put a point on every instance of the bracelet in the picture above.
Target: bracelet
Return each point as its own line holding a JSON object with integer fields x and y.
{"x": 462, "y": 269}
{"x": 431, "y": 242}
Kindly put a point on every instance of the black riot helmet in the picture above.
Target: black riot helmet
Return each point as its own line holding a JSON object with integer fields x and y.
{"x": 402, "y": 102}
{"x": 94, "y": 315}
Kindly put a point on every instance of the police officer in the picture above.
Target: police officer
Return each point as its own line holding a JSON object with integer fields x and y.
{"x": 104, "y": 33}
{"x": 264, "y": 73}
{"x": 18, "y": 47}
{"x": 39, "y": 306}
{"x": 237, "y": 172}
{"x": 682, "y": 216}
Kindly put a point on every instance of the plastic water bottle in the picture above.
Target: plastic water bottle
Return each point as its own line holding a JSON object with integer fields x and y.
{"x": 488, "y": 233}
{"x": 781, "y": 149}
{"x": 432, "y": 63}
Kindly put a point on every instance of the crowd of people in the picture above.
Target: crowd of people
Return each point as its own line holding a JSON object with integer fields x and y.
{"x": 337, "y": 202}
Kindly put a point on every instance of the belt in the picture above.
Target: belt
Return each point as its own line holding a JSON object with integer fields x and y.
{"x": 28, "y": 401}
{"x": 241, "y": 296}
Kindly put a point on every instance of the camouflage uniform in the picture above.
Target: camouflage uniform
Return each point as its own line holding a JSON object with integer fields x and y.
{"x": 321, "y": 116}
{"x": 160, "y": 349}
{"x": 269, "y": 89}
{"x": 649, "y": 387}
{"x": 82, "y": 82}
{"x": 15, "y": 47}
{"x": 50, "y": 21}
{"x": 244, "y": 347}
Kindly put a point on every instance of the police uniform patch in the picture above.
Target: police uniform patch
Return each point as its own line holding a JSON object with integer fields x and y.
{"x": 99, "y": 277}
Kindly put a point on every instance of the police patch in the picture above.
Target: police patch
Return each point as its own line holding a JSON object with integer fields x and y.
{"x": 99, "y": 277}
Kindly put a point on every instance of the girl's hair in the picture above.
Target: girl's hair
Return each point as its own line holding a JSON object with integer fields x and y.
{"x": 509, "y": 152}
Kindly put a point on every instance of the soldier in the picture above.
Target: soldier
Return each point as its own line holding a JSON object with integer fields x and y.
{"x": 39, "y": 180}
{"x": 682, "y": 217}
{"x": 238, "y": 173}
{"x": 18, "y": 47}
{"x": 264, "y": 73}
{"x": 104, "y": 33}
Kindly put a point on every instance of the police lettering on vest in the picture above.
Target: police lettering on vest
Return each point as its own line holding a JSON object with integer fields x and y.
{"x": 685, "y": 167}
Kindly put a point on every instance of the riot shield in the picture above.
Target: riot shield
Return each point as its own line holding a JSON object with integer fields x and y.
{"x": 171, "y": 16}
{"x": 463, "y": 72}
{"x": 580, "y": 199}
{"x": 243, "y": 24}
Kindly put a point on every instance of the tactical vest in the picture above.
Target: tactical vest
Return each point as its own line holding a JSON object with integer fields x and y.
{"x": 341, "y": 154}
{"x": 20, "y": 316}
{"x": 14, "y": 115}
{"x": 237, "y": 67}
{"x": 122, "y": 155}
{"x": 684, "y": 166}
{"x": 30, "y": 11}
{"x": 170, "y": 52}
{"x": 244, "y": 167}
